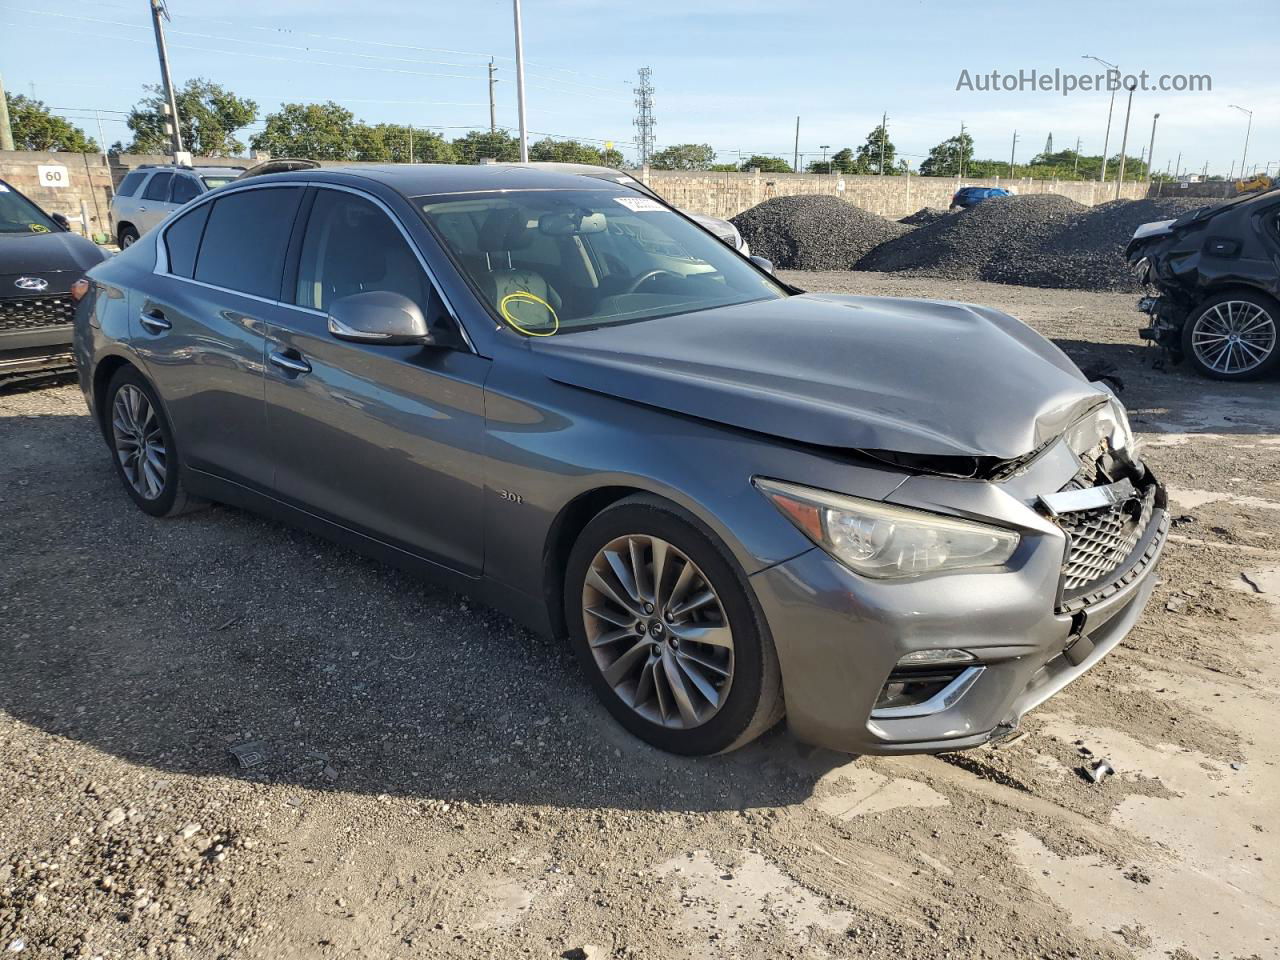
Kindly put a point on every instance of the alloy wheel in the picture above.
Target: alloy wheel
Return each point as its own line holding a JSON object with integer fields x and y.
{"x": 658, "y": 631}
{"x": 1234, "y": 337}
{"x": 139, "y": 442}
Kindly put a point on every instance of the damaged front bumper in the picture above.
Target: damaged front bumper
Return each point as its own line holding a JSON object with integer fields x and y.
{"x": 1061, "y": 604}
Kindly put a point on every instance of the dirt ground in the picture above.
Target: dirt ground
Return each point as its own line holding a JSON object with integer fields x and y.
{"x": 439, "y": 783}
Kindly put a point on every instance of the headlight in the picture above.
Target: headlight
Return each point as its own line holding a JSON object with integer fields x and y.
{"x": 1142, "y": 271}
{"x": 879, "y": 540}
{"x": 1108, "y": 422}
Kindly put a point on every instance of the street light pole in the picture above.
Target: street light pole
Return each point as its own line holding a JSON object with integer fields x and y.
{"x": 1012, "y": 152}
{"x": 524, "y": 130}
{"x": 1247, "y": 130}
{"x": 1124, "y": 142}
{"x": 157, "y": 11}
{"x": 1151, "y": 156}
{"x": 1106, "y": 140}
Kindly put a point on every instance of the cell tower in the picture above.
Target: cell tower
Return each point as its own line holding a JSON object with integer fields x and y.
{"x": 644, "y": 115}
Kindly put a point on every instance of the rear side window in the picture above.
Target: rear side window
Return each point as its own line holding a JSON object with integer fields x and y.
{"x": 158, "y": 187}
{"x": 129, "y": 185}
{"x": 245, "y": 240}
{"x": 182, "y": 240}
{"x": 184, "y": 189}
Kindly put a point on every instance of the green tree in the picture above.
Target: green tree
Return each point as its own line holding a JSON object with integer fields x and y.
{"x": 843, "y": 161}
{"x": 564, "y": 151}
{"x": 869, "y": 153}
{"x": 723, "y": 168}
{"x": 684, "y": 156}
{"x": 481, "y": 144}
{"x": 767, "y": 164}
{"x": 35, "y": 128}
{"x": 946, "y": 159}
{"x": 317, "y": 131}
{"x": 209, "y": 116}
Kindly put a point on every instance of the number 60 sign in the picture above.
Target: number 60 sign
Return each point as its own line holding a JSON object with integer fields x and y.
{"x": 52, "y": 175}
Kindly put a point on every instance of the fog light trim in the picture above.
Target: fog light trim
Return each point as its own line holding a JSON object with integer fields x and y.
{"x": 944, "y": 699}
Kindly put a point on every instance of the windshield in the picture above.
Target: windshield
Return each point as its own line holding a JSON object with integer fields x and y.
{"x": 214, "y": 182}
{"x": 552, "y": 261}
{"x": 20, "y": 215}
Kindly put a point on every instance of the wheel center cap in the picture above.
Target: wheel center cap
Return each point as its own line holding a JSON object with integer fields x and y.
{"x": 656, "y": 628}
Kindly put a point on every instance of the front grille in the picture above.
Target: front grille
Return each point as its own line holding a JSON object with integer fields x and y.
{"x": 1100, "y": 540}
{"x": 34, "y": 313}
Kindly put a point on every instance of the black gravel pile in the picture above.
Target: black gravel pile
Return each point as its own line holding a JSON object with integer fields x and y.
{"x": 966, "y": 246}
{"x": 1087, "y": 251}
{"x": 814, "y": 233}
{"x": 925, "y": 216}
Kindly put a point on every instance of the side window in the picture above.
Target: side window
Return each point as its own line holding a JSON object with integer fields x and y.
{"x": 182, "y": 240}
{"x": 184, "y": 189}
{"x": 158, "y": 187}
{"x": 351, "y": 246}
{"x": 245, "y": 240}
{"x": 129, "y": 185}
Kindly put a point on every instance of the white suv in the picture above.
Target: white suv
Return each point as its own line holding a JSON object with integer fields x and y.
{"x": 153, "y": 191}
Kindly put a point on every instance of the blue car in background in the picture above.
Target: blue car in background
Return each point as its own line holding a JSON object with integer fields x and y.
{"x": 970, "y": 196}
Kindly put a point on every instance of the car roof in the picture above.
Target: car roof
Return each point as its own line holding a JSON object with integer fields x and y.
{"x": 426, "y": 179}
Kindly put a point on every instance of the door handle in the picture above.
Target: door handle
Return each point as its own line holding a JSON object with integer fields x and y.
{"x": 294, "y": 365}
{"x": 154, "y": 320}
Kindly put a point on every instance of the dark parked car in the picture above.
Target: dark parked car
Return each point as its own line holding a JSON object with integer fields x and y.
{"x": 902, "y": 523}
{"x": 972, "y": 196}
{"x": 40, "y": 260}
{"x": 1213, "y": 279}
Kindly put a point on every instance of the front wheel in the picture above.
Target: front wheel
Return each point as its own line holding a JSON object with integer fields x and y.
{"x": 662, "y": 623}
{"x": 1233, "y": 336}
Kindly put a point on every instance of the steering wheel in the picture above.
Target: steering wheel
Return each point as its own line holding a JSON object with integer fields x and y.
{"x": 646, "y": 277}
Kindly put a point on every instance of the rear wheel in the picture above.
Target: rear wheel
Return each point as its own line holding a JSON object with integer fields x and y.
{"x": 142, "y": 445}
{"x": 663, "y": 625}
{"x": 127, "y": 237}
{"x": 1233, "y": 336}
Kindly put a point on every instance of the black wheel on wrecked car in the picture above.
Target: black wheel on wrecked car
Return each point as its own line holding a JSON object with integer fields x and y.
{"x": 1233, "y": 336}
{"x": 661, "y": 620}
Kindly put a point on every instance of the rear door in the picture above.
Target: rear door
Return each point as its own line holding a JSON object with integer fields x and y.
{"x": 202, "y": 322}
{"x": 384, "y": 439}
{"x": 153, "y": 205}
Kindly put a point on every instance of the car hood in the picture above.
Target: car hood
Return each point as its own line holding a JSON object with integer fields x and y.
{"x": 23, "y": 254}
{"x": 908, "y": 376}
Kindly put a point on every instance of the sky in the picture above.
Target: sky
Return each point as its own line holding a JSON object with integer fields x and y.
{"x": 732, "y": 73}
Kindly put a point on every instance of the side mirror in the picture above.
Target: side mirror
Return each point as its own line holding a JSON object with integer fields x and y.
{"x": 60, "y": 220}
{"x": 763, "y": 263}
{"x": 379, "y": 316}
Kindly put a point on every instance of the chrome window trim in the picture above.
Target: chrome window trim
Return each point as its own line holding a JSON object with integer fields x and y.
{"x": 162, "y": 250}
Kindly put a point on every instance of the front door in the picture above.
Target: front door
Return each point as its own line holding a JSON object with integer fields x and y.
{"x": 387, "y": 440}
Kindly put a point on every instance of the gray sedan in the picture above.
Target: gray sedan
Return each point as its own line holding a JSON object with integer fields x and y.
{"x": 899, "y": 523}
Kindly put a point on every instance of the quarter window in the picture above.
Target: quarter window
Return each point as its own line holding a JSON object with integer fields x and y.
{"x": 245, "y": 240}
{"x": 158, "y": 187}
{"x": 129, "y": 185}
{"x": 182, "y": 240}
{"x": 184, "y": 189}
{"x": 351, "y": 246}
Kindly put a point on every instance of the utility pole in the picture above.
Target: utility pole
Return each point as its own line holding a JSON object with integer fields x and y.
{"x": 960, "y": 149}
{"x": 1151, "y": 147}
{"x": 1012, "y": 152}
{"x": 1124, "y": 142}
{"x": 795, "y": 159}
{"x": 1177, "y": 166}
{"x": 493, "y": 110}
{"x": 884, "y": 135}
{"x": 157, "y": 11}
{"x": 6, "y": 132}
{"x": 1075, "y": 167}
{"x": 524, "y": 129}
{"x": 1106, "y": 140}
{"x": 1244, "y": 157}
{"x": 411, "y": 143}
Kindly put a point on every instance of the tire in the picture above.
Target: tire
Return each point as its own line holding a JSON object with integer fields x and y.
{"x": 684, "y": 719}
{"x": 1233, "y": 336}
{"x": 127, "y": 236}
{"x": 142, "y": 445}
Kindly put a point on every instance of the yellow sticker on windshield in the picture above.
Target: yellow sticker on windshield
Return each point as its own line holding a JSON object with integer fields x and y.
{"x": 37, "y": 228}
{"x": 522, "y": 297}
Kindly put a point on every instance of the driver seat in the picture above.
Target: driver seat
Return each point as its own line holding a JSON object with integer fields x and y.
{"x": 504, "y": 231}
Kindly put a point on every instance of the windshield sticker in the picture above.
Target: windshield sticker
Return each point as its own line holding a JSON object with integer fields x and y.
{"x": 640, "y": 204}
{"x": 37, "y": 228}
{"x": 522, "y": 307}
{"x": 3, "y": 188}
